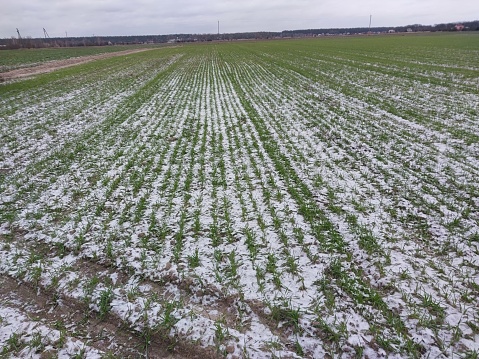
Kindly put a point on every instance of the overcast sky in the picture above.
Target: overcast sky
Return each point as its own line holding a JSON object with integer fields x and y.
{"x": 152, "y": 17}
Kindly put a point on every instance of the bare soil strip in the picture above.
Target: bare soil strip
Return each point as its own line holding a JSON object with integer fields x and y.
{"x": 41, "y": 305}
{"x": 61, "y": 64}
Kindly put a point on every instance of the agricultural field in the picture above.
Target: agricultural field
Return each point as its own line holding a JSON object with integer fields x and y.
{"x": 312, "y": 198}
{"x": 15, "y": 59}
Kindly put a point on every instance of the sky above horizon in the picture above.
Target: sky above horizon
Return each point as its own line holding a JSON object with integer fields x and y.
{"x": 149, "y": 17}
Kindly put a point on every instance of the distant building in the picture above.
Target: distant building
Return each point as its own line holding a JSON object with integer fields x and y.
{"x": 392, "y": 31}
{"x": 409, "y": 29}
{"x": 459, "y": 27}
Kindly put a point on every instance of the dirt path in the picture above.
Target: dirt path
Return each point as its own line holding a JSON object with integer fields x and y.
{"x": 60, "y": 64}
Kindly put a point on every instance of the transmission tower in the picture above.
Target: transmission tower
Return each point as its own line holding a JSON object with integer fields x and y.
{"x": 45, "y": 33}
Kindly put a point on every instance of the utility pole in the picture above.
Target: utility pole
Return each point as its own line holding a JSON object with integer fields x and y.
{"x": 218, "y": 28}
{"x": 370, "y": 18}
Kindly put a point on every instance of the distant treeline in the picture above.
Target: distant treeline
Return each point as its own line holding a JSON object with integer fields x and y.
{"x": 27, "y": 42}
{"x": 466, "y": 26}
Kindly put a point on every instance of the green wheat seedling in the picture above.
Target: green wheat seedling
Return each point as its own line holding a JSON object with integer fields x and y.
{"x": 194, "y": 260}
{"x": 251, "y": 243}
{"x": 12, "y": 345}
{"x": 287, "y": 314}
{"x": 234, "y": 264}
{"x": 38, "y": 342}
{"x": 104, "y": 302}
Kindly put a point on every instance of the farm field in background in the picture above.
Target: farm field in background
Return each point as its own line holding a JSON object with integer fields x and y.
{"x": 15, "y": 59}
{"x": 298, "y": 198}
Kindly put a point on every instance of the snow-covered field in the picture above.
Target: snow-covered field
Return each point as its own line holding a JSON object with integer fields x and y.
{"x": 314, "y": 198}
